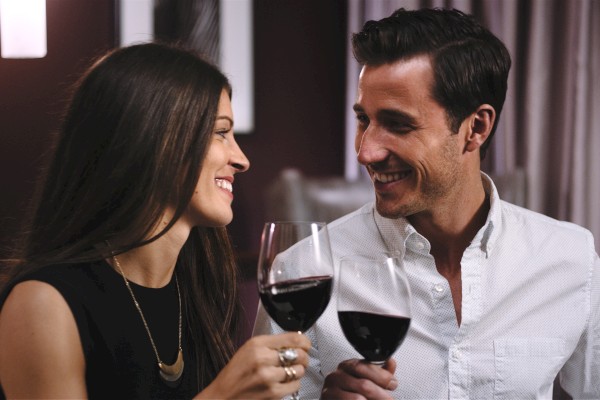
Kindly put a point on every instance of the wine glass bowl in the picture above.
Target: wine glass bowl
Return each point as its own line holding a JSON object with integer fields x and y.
{"x": 374, "y": 305}
{"x": 295, "y": 273}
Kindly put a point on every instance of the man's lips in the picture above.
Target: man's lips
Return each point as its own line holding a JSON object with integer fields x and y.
{"x": 390, "y": 177}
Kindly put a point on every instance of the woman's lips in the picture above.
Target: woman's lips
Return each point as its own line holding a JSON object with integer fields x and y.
{"x": 224, "y": 184}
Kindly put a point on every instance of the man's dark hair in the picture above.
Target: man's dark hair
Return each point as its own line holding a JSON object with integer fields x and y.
{"x": 470, "y": 64}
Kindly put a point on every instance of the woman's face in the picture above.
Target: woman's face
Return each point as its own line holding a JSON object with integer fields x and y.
{"x": 211, "y": 203}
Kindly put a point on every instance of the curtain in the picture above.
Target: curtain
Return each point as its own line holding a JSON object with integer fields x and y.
{"x": 550, "y": 124}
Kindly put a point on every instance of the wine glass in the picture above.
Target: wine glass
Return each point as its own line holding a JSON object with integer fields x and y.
{"x": 295, "y": 273}
{"x": 374, "y": 304}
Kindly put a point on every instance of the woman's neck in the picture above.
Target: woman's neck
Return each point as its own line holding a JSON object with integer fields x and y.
{"x": 152, "y": 265}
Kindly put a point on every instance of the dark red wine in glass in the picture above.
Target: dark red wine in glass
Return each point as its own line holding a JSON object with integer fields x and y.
{"x": 374, "y": 304}
{"x": 376, "y": 337}
{"x": 295, "y": 305}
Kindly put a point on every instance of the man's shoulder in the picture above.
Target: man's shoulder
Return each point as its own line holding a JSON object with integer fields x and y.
{"x": 517, "y": 218}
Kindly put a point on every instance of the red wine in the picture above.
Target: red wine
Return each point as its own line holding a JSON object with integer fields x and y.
{"x": 376, "y": 337}
{"x": 295, "y": 305}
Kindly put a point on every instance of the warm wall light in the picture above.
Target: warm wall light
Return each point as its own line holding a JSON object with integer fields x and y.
{"x": 23, "y": 28}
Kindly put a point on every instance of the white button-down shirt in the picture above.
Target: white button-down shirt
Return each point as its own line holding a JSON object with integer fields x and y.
{"x": 530, "y": 309}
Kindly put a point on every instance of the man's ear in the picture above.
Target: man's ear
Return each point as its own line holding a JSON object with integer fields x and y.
{"x": 480, "y": 126}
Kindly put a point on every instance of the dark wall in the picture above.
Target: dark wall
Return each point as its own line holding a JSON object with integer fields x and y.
{"x": 33, "y": 93}
{"x": 299, "y": 95}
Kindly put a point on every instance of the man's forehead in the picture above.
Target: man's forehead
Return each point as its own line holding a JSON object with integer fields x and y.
{"x": 402, "y": 81}
{"x": 415, "y": 66}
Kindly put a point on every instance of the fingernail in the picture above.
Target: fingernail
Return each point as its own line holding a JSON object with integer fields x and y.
{"x": 392, "y": 385}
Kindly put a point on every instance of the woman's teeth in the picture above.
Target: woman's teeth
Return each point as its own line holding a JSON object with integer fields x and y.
{"x": 223, "y": 184}
{"x": 386, "y": 178}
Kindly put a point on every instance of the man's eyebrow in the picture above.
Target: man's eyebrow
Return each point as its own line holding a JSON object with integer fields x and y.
{"x": 397, "y": 115}
{"x": 357, "y": 108}
{"x": 388, "y": 114}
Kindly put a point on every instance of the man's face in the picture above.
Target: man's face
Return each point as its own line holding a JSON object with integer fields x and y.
{"x": 404, "y": 140}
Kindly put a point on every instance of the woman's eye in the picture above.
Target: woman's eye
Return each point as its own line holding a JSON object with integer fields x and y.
{"x": 222, "y": 133}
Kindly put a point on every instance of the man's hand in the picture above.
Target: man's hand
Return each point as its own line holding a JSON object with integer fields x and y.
{"x": 358, "y": 379}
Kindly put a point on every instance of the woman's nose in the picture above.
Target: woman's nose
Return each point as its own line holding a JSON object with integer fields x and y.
{"x": 238, "y": 159}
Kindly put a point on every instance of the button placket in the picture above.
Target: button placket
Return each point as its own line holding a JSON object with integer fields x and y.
{"x": 458, "y": 369}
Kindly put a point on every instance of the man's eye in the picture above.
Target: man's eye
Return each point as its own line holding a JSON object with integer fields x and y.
{"x": 362, "y": 119}
{"x": 398, "y": 127}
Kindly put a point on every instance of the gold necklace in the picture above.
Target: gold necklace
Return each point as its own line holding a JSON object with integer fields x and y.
{"x": 170, "y": 374}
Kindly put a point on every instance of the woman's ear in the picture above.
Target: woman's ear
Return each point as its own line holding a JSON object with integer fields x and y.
{"x": 480, "y": 126}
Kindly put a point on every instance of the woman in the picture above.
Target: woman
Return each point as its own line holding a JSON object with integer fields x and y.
{"x": 125, "y": 283}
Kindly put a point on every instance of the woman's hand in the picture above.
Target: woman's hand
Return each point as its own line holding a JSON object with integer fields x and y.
{"x": 358, "y": 379}
{"x": 255, "y": 371}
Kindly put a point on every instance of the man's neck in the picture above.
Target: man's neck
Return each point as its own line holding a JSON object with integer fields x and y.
{"x": 450, "y": 230}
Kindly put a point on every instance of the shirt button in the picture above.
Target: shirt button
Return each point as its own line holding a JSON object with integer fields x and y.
{"x": 456, "y": 353}
{"x": 420, "y": 245}
{"x": 438, "y": 288}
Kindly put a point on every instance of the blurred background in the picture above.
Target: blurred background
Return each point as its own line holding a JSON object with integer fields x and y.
{"x": 298, "y": 125}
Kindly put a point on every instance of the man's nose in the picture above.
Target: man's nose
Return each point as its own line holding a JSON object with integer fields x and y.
{"x": 370, "y": 147}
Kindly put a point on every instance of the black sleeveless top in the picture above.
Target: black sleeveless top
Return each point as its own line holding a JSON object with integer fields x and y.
{"x": 120, "y": 361}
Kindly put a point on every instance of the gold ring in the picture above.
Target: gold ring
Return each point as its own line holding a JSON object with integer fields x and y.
{"x": 290, "y": 374}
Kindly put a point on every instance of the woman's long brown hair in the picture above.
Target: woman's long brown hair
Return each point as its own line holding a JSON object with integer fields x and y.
{"x": 132, "y": 143}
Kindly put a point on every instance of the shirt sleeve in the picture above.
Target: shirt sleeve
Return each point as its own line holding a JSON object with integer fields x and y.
{"x": 312, "y": 382}
{"x": 580, "y": 376}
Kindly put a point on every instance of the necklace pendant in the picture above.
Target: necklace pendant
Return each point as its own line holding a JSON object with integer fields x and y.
{"x": 170, "y": 374}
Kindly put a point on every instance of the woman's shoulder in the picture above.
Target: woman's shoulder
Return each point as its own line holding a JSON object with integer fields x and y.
{"x": 66, "y": 271}
{"x": 37, "y": 329}
{"x": 73, "y": 279}
{"x": 48, "y": 291}
{"x": 63, "y": 287}
{"x": 32, "y": 293}
{"x": 31, "y": 303}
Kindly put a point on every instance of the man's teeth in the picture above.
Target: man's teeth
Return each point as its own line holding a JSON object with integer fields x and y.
{"x": 385, "y": 178}
{"x": 223, "y": 184}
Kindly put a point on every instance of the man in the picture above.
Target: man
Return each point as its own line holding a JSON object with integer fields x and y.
{"x": 504, "y": 299}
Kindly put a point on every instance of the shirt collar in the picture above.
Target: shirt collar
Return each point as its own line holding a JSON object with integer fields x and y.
{"x": 398, "y": 234}
{"x": 486, "y": 237}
